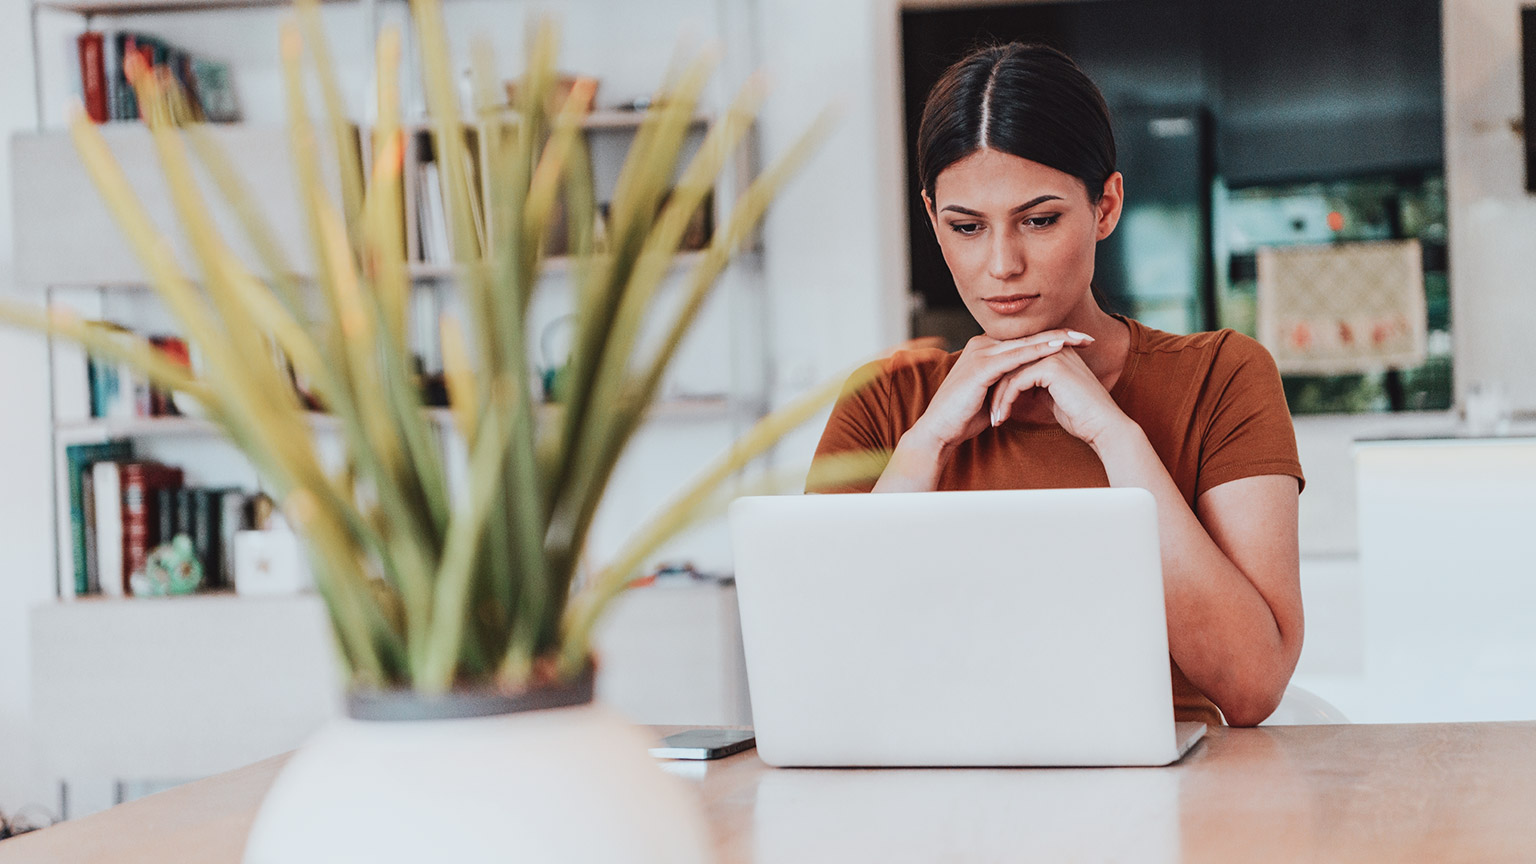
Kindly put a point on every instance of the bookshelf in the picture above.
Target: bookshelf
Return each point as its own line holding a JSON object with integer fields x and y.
{"x": 69, "y": 251}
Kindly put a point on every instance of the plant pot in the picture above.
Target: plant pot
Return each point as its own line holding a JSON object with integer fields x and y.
{"x": 547, "y": 777}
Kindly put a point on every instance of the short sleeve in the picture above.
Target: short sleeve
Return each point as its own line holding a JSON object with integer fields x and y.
{"x": 860, "y": 425}
{"x": 1249, "y": 431}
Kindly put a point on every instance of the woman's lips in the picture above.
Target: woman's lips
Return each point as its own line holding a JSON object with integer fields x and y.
{"x": 1010, "y": 304}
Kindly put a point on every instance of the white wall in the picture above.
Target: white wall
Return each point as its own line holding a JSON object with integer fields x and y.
{"x": 836, "y": 241}
{"x": 1492, "y": 218}
{"x": 26, "y": 547}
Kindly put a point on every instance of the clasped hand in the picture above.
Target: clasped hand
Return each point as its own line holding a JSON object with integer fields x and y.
{"x": 985, "y": 385}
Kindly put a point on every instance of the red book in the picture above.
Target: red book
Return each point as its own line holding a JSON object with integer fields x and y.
{"x": 141, "y": 525}
{"x": 93, "y": 75}
{"x": 175, "y": 349}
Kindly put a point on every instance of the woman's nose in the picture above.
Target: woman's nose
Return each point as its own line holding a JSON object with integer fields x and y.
{"x": 1005, "y": 260}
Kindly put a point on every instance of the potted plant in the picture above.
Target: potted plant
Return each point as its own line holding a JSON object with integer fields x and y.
{"x": 458, "y": 616}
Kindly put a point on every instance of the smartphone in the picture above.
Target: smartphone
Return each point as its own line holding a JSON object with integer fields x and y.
{"x": 705, "y": 744}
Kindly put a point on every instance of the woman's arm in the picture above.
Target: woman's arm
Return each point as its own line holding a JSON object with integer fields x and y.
{"x": 957, "y": 411}
{"x": 915, "y": 464}
{"x": 1231, "y": 580}
{"x": 1231, "y": 577}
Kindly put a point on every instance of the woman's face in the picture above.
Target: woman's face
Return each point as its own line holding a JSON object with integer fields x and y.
{"x": 1019, "y": 238}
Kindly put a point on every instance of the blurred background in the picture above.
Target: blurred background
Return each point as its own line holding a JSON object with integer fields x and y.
{"x": 1248, "y": 132}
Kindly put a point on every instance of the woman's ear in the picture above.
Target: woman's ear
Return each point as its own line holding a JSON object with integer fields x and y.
{"x": 1111, "y": 205}
{"x": 933, "y": 221}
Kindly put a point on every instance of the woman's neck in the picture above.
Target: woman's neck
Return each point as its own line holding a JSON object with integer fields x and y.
{"x": 1112, "y": 339}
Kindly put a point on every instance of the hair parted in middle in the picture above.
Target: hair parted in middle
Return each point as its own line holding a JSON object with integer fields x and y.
{"x": 1025, "y": 99}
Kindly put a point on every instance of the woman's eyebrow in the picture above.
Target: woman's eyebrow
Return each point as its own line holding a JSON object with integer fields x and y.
{"x": 1033, "y": 202}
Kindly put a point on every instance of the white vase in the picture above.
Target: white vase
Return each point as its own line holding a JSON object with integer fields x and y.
{"x": 555, "y": 786}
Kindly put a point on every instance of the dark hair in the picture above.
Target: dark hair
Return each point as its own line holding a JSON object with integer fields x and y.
{"x": 1028, "y": 100}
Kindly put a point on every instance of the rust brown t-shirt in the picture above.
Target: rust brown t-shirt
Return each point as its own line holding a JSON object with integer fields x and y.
{"x": 1211, "y": 405}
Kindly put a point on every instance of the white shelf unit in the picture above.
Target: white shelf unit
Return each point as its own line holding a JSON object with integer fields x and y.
{"x": 66, "y": 246}
{"x": 71, "y": 253}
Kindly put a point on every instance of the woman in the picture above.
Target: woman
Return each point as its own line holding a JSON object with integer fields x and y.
{"x": 1017, "y": 163}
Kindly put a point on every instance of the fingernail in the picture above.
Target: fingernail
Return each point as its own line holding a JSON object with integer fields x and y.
{"x": 1076, "y": 335}
{"x": 1056, "y": 343}
{"x": 994, "y": 417}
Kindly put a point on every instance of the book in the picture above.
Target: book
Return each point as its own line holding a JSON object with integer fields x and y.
{"x": 88, "y": 511}
{"x": 436, "y": 246}
{"x": 106, "y": 481}
{"x": 476, "y": 207}
{"x": 182, "y": 524}
{"x": 110, "y": 59}
{"x": 93, "y": 75}
{"x": 174, "y": 348}
{"x": 215, "y": 90}
{"x": 181, "y": 69}
{"x": 78, "y": 459}
{"x": 115, "y": 389}
{"x": 167, "y": 510}
{"x": 205, "y": 533}
{"x": 140, "y": 520}
{"x": 206, "y": 82}
{"x": 126, "y": 106}
{"x": 232, "y": 518}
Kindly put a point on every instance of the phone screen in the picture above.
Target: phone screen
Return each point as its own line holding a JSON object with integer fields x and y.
{"x": 704, "y": 744}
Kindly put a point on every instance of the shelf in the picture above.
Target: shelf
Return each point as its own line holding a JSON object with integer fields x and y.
{"x": 417, "y": 270}
{"x": 137, "y": 7}
{"x": 602, "y": 119}
{"x": 222, "y": 595}
{"x": 614, "y": 118}
{"x": 691, "y": 409}
{"x": 424, "y": 272}
{"x": 79, "y": 431}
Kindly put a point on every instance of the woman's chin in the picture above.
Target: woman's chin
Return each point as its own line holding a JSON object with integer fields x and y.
{"x": 1004, "y": 329}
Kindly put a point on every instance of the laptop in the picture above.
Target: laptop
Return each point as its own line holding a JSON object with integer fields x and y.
{"x": 997, "y": 628}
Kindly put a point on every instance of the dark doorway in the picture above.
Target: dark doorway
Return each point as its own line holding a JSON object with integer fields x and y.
{"x": 1207, "y": 96}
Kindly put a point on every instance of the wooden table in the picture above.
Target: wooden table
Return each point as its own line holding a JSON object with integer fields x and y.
{"x": 1431, "y": 793}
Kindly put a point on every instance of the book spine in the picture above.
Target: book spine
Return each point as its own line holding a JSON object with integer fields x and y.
{"x": 183, "y": 516}
{"x": 231, "y": 519}
{"x": 88, "y": 512}
{"x": 78, "y": 459}
{"x": 174, "y": 348}
{"x": 165, "y": 516}
{"x": 118, "y": 394}
{"x": 140, "y": 523}
{"x": 95, "y": 375}
{"x": 205, "y": 534}
{"x": 107, "y": 483}
{"x": 93, "y": 81}
{"x": 127, "y": 103}
{"x": 188, "y": 77}
{"x": 135, "y": 519}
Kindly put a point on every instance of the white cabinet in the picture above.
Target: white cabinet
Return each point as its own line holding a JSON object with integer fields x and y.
{"x": 1448, "y": 581}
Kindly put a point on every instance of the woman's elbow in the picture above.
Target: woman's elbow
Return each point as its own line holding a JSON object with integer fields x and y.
{"x": 1252, "y": 703}
{"x": 1250, "y": 711}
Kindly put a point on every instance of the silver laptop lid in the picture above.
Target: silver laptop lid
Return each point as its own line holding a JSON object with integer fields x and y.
{"x": 1019, "y": 627}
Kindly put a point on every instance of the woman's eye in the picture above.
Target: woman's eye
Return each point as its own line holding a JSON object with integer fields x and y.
{"x": 965, "y": 229}
{"x": 1042, "y": 221}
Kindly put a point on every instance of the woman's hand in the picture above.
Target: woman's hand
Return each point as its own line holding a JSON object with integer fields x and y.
{"x": 1078, "y": 399}
{"x": 959, "y": 410}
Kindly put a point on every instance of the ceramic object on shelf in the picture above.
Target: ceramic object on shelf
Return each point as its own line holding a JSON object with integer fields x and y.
{"x": 474, "y": 778}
